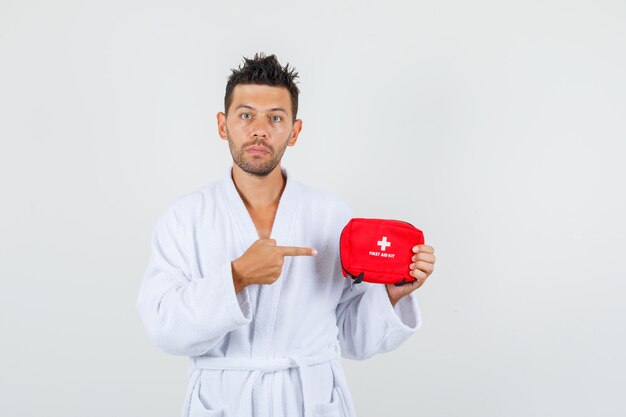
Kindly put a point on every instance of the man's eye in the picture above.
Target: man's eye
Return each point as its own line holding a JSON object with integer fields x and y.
{"x": 244, "y": 115}
{"x": 276, "y": 118}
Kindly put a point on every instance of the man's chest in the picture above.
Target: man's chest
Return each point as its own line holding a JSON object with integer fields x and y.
{"x": 263, "y": 220}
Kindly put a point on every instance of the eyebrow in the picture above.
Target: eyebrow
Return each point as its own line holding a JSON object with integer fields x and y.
{"x": 247, "y": 106}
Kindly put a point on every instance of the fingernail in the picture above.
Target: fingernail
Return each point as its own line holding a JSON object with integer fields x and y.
{"x": 416, "y": 249}
{"x": 314, "y": 252}
{"x": 412, "y": 266}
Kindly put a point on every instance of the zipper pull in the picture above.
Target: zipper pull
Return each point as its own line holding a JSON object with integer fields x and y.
{"x": 355, "y": 279}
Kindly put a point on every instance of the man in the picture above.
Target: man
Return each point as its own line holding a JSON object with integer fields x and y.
{"x": 245, "y": 279}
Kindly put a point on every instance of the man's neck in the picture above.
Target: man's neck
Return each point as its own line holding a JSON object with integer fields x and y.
{"x": 259, "y": 192}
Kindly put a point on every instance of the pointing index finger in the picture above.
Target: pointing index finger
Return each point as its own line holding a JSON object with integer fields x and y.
{"x": 297, "y": 251}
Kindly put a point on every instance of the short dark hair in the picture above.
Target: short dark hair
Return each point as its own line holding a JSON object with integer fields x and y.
{"x": 264, "y": 70}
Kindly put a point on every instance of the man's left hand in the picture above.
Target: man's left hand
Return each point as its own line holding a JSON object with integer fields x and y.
{"x": 423, "y": 265}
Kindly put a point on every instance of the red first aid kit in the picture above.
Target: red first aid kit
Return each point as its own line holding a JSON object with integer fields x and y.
{"x": 378, "y": 250}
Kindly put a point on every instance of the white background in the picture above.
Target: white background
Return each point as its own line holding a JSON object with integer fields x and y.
{"x": 497, "y": 128}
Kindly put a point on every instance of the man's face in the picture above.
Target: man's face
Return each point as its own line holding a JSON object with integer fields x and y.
{"x": 259, "y": 127}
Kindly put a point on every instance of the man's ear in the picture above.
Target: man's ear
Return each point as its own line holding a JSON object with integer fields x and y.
{"x": 221, "y": 125}
{"x": 295, "y": 131}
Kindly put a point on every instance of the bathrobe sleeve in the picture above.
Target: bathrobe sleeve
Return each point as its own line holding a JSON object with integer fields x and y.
{"x": 185, "y": 316}
{"x": 368, "y": 324}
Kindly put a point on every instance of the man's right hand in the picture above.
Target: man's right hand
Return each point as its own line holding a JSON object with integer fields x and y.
{"x": 263, "y": 262}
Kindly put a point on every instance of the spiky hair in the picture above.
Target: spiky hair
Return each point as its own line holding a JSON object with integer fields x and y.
{"x": 264, "y": 70}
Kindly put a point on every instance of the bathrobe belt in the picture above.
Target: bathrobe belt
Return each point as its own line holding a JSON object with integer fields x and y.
{"x": 260, "y": 366}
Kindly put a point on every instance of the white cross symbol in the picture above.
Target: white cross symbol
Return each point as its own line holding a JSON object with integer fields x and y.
{"x": 383, "y": 243}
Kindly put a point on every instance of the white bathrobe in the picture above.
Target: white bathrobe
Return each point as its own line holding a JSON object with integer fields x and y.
{"x": 269, "y": 350}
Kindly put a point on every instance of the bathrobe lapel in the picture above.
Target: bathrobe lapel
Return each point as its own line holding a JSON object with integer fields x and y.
{"x": 286, "y": 212}
{"x": 264, "y": 299}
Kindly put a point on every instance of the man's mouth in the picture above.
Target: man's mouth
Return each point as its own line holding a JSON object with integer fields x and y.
{"x": 257, "y": 150}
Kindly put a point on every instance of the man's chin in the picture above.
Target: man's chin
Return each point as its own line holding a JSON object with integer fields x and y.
{"x": 258, "y": 171}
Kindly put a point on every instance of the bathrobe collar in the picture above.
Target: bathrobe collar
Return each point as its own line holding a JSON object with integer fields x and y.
{"x": 285, "y": 213}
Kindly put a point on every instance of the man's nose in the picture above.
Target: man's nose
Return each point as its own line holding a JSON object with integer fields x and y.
{"x": 260, "y": 128}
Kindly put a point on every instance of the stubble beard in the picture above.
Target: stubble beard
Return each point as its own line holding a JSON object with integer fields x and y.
{"x": 251, "y": 163}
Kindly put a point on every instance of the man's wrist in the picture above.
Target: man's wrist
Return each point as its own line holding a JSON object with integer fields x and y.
{"x": 238, "y": 282}
{"x": 392, "y": 300}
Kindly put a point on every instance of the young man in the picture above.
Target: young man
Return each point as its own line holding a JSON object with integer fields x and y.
{"x": 245, "y": 279}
